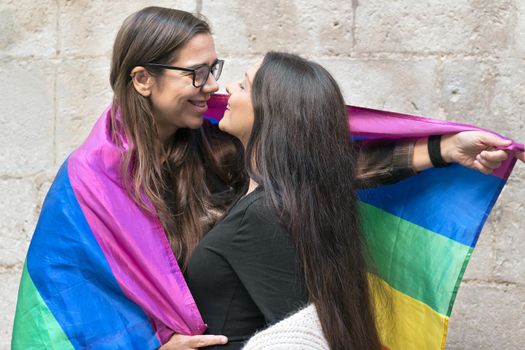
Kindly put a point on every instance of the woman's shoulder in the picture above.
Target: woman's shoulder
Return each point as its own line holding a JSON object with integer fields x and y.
{"x": 258, "y": 207}
{"x": 250, "y": 224}
{"x": 301, "y": 330}
{"x": 260, "y": 217}
{"x": 253, "y": 207}
{"x": 246, "y": 210}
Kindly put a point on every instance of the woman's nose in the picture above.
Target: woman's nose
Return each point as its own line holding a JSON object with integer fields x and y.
{"x": 229, "y": 89}
{"x": 232, "y": 87}
{"x": 211, "y": 85}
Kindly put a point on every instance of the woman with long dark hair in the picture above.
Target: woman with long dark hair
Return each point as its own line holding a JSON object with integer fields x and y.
{"x": 295, "y": 237}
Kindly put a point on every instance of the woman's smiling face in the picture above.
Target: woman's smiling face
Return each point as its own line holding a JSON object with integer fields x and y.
{"x": 176, "y": 102}
{"x": 238, "y": 117}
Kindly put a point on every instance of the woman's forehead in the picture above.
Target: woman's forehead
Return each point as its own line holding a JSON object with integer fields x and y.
{"x": 250, "y": 73}
{"x": 199, "y": 50}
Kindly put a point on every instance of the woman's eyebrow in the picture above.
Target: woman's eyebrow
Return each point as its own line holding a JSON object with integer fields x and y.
{"x": 247, "y": 79}
{"x": 197, "y": 65}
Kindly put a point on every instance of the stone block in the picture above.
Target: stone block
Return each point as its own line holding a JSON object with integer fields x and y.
{"x": 88, "y": 28}
{"x": 486, "y": 93}
{"x": 28, "y": 28}
{"x": 42, "y": 183}
{"x": 447, "y": 26}
{"x": 27, "y": 116}
{"x": 519, "y": 31}
{"x": 301, "y": 26}
{"x": 488, "y": 316}
{"x": 18, "y": 220}
{"x": 83, "y": 92}
{"x": 388, "y": 84}
{"x": 483, "y": 260}
{"x": 234, "y": 69}
{"x": 509, "y": 228}
{"x": 8, "y": 296}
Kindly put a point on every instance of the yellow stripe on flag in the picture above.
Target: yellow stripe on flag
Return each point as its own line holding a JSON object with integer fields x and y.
{"x": 405, "y": 323}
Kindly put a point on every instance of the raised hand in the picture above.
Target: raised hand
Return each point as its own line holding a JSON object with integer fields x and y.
{"x": 476, "y": 150}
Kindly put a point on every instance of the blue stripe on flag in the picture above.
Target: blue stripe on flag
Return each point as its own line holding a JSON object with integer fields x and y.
{"x": 75, "y": 280}
{"x": 425, "y": 199}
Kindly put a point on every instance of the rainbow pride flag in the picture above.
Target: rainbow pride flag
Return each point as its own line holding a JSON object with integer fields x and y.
{"x": 421, "y": 232}
{"x": 100, "y": 273}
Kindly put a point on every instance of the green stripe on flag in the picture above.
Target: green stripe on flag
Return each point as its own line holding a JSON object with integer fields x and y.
{"x": 35, "y": 327}
{"x": 412, "y": 259}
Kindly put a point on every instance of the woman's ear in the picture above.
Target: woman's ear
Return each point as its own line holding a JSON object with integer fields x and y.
{"x": 142, "y": 81}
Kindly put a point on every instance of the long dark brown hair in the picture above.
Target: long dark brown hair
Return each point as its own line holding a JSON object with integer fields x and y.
{"x": 180, "y": 179}
{"x": 301, "y": 154}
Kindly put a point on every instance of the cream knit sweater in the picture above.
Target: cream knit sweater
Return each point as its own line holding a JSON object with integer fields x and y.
{"x": 301, "y": 330}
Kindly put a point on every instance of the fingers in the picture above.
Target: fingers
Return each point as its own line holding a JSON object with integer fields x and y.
{"x": 491, "y": 159}
{"x": 487, "y": 161}
{"x": 199, "y": 341}
{"x": 496, "y": 156}
{"x": 481, "y": 168}
{"x": 492, "y": 140}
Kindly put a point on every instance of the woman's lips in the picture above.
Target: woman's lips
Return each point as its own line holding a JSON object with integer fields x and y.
{"x": 200, "y": 105}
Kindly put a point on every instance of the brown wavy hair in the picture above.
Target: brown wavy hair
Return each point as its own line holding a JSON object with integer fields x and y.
{"x": 301, "y": 153}
{"x": 193, "y": 179}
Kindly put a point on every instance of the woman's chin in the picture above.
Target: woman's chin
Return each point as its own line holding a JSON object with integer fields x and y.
{"x": 223, "y": 124}
{"x": 194, "y": 122}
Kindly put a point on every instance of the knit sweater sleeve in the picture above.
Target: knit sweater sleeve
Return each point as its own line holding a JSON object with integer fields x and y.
{"x": 301, "y": 330}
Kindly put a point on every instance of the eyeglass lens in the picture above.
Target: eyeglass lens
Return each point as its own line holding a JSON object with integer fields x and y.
{"x": 202, "y": 73}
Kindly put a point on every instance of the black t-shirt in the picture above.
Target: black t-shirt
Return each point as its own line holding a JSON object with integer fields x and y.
{"x": 244, "y": 274}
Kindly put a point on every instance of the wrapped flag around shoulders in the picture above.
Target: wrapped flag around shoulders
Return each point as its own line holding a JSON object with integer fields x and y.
{"x": 100, "y": 273}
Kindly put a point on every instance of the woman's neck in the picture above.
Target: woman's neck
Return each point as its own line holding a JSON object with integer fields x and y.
{"x": 166, "y": 134}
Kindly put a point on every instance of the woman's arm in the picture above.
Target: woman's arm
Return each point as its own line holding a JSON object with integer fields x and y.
{"x": 386, "y": 162}
{"x": 383, "y": 162}
{"x": 473, "y": 149}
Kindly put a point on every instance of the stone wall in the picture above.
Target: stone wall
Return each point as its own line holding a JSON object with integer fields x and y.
{"x": 451, "y": 59}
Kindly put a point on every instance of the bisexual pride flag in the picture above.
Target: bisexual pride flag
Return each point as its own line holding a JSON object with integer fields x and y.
{"x": 100, "y": 273}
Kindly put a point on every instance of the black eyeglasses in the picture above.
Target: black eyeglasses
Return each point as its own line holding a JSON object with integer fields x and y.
{"x": 200, "y": 73}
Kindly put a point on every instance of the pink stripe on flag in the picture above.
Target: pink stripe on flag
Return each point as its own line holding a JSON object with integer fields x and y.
{"x": 133, "y": 242}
